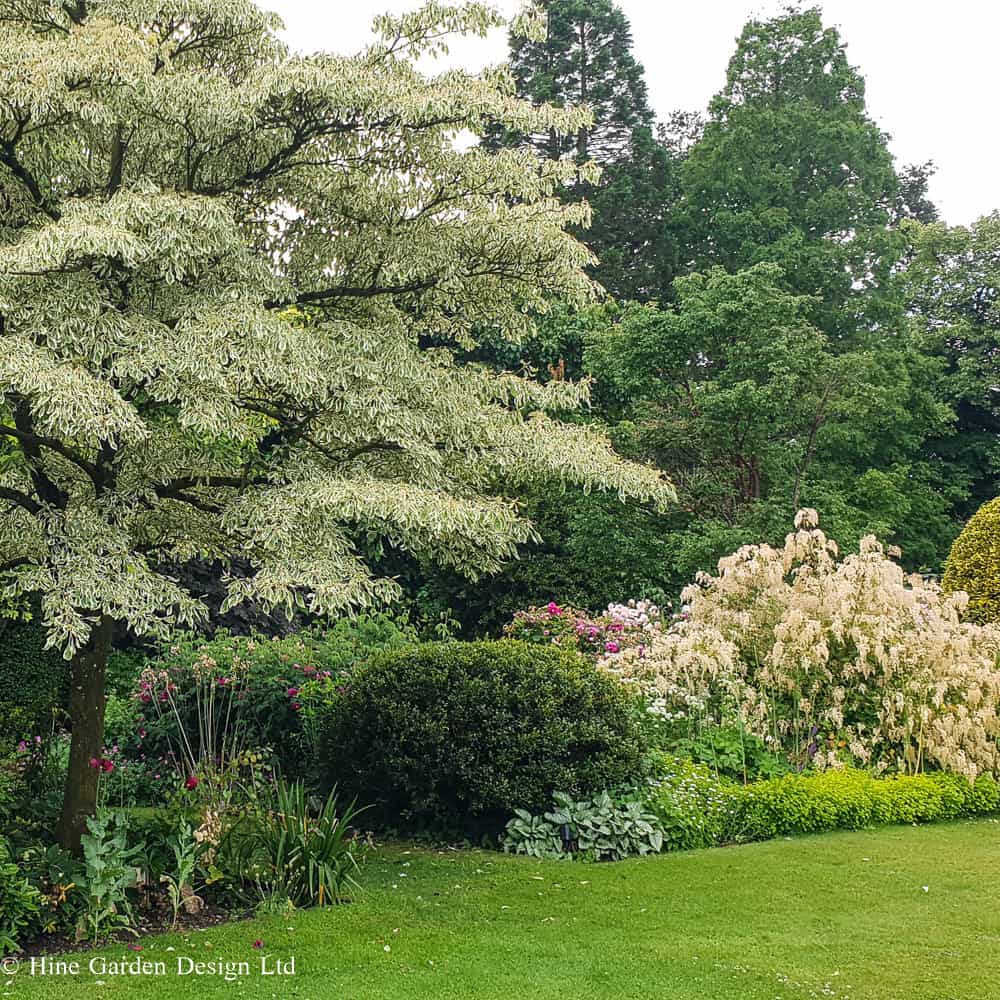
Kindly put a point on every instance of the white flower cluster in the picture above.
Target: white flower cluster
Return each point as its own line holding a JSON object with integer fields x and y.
{"x": 830, "y": 659}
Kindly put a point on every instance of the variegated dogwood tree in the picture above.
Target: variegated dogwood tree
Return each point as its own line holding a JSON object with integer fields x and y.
{"x": 233, "y": 285}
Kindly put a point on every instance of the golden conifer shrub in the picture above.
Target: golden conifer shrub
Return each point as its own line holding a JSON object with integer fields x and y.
{"x": 831, "y": 660}
{"x": 974, "y": 564}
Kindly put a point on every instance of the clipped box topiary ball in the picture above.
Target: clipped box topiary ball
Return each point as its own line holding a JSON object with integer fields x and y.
{"x": 452, "y": 736}
{"x": 974, "y": 564}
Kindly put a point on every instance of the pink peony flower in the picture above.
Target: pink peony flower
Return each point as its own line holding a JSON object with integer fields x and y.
{"x": 292, "y": 692}
{"x": 191, "y": 782}
{"x": 611, "y": 647}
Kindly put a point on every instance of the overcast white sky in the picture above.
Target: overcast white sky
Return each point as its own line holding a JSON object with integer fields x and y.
{"x": 931, "y": 69}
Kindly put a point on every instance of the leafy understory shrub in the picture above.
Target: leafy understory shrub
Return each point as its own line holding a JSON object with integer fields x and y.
{"x": 20, "y": 901}
{"x": 728, "y": 750}
{"x": 600, "y": 829}
{"x": 298, "y": 854}
{"x": 695, "y": 806}
{"x": 619, "y": 627}
{"x": 187, "y": 850}
{"x": 830, "y": 660}
{"x": 109, "y": 873}
{"x": 973, "y": 564}
{"x": 455, "y": 736}
{"x": 204, "y": 703}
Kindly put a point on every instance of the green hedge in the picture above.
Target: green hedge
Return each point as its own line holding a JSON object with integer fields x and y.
{"x": 700, "y": 809}
{"x": 34, "y": 682}
{"x": 850, "y": 800}
{"x": 454, "y": 736}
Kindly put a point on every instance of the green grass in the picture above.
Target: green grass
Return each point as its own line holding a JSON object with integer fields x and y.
{"x": 841, "y": 915}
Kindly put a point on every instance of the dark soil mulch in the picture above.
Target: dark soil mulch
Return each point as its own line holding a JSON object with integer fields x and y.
{"x": 154, "y": 917}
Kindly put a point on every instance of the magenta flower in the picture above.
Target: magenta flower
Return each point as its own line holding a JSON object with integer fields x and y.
{"x": 191, "y": 783}
{"x": 553, "y": 608}
{"x": 611, "y": 647}
{"x": 292, "y": 692}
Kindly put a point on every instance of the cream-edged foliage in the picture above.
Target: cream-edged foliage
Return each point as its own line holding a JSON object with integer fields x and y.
{"x": 831, "y": 658}
{"x": 232, "y": 284}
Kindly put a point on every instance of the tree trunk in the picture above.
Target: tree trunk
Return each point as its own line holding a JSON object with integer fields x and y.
{"x": 86, "y": 715}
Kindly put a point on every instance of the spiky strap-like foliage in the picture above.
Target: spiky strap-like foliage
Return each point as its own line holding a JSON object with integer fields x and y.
{"x": 230, "y": 279}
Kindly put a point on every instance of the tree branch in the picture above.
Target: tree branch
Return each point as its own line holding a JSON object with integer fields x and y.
{"x": 15, "y": 564}
{"x": 167, "y": 493}
{"x": 53, "y": 444}
{"x": 9, "y": 159}
{"x": 349, "y": 292}
{"x": 20, "y": 499}
{"x": 46, "y": 489}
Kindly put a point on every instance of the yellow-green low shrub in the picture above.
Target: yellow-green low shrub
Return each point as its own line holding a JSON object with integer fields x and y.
{"x": 698, "y": 808}
{"x": 974, "y": 564}
{"x": 849, "y": 800}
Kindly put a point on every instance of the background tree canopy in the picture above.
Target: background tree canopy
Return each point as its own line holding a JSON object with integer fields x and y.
{"x": 788, "y": 322}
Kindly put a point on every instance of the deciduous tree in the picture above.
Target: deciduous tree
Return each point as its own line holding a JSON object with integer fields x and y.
{"x": 218, "y": 265}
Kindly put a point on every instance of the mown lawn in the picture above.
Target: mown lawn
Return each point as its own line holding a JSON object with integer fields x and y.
{"x": 895, "y": 914}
